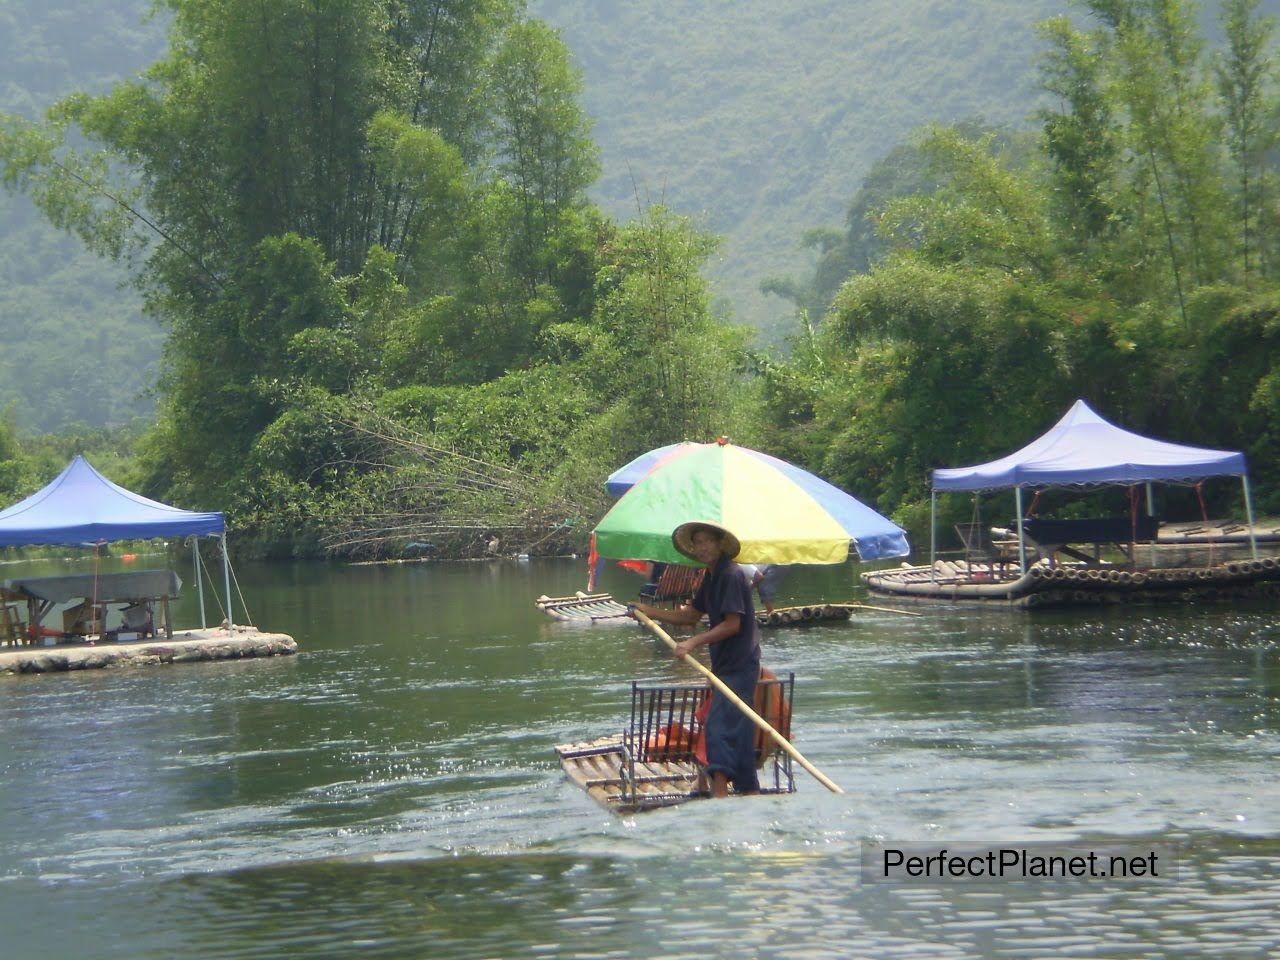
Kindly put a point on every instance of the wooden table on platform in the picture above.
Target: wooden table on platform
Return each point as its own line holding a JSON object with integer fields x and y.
{"x": 129, "y": 587}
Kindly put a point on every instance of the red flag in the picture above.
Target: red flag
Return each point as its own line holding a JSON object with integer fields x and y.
{"x": 593, "y": 562}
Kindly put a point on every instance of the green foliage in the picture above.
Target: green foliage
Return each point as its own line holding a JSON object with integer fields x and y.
{"x": 371, "y": 208}
{"x": 1118, "y": 259}
{"x": 675, "y": 364}
{"x": 14, "y": 467}
{"x": 1242, "y": 72}
{"x": 58, "y": 301}
{"x": 905, "y": 171}
{"x": 1080, "y": 140}
{"x": 524, "y": 418}
{"x": 767, "y": 118}
{"x": 393, "y": 313}
{"x": 544, "y": 149}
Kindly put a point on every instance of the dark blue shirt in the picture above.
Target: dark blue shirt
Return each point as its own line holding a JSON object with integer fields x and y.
{"x": 725, "y": 590}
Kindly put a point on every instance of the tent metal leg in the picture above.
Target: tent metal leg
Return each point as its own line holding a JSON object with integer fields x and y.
{"x": 226, "y": 579}
{"x": 195, "y": 565}
{"x": 1151, "y": 512}
{"x": 1022, "y": 540}
{"x": 1248, "y": 515}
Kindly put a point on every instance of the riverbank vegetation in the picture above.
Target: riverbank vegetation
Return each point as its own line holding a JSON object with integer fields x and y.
{"x": 393, "y": 316}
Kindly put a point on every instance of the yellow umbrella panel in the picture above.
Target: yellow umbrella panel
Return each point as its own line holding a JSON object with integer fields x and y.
{"x": 779, "y": 512}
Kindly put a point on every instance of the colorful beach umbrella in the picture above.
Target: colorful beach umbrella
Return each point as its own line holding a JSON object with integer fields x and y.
{"x": 625, "y": 477}
{"x": 780, "y": 513}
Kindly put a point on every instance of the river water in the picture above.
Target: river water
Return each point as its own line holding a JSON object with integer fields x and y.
{"x": 391, "y": 791}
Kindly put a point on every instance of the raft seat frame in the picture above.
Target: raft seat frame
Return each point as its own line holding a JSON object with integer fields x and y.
{"x": 663, "y": 729}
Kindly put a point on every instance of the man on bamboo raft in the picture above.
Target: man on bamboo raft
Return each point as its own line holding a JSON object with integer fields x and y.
{"x": 765, "y": 579}
{"x": 734, "y": 640}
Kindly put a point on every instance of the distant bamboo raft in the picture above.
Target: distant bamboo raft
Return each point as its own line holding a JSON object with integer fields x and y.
{"x": 583, "y": 608}
{"x": 598, "y": 607}
{"x": 1077, "y": 584}
{"x": 813, "y": 613}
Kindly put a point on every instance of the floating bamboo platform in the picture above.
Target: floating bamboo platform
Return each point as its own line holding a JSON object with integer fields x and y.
{"x": 1188, "y": 562}
{"x": 599, "y": 767}
{"x": 584, "y": 608}
{"x": 798, "y": 616}
{"x": 602, "y": 607}
{"x": 653, "y": 762}
{"x": 1077, "y": 583}
{"x": 186, "y": 646}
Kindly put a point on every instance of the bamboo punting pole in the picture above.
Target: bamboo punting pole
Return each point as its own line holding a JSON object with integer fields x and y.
{"x": 867, "y": 606}
{"x": 737, "y": 701}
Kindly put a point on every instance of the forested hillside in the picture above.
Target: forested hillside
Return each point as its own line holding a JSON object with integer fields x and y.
{"x": 759, "y": 122}
{"x": 763, "y": 118}
{"x": 76, "y": 347}
{"x": 1125, "y": 250}
{"x": 395, "y": 311}
{"x": 760, "y": 125}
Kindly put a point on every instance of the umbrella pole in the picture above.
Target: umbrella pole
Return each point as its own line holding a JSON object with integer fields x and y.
{"x": 737, "y": 701}
{"x": 933, "y": 535}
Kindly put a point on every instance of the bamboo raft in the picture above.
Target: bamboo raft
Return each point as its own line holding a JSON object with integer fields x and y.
{"x": 602, "y": 607}
{"x": 1079, "y": 584}
{"x": 795, "y": 616}
{"x": 583, "y": 608}
{"x": 652, "y": 763}
{"x": 599, "y": 767}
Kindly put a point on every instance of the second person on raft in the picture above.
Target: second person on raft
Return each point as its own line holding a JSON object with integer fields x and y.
{"x": 734, "y": 639}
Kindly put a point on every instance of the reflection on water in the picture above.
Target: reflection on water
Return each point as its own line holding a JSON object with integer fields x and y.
{"x": 754, "y": 903}
{"x": 391, "y": 791}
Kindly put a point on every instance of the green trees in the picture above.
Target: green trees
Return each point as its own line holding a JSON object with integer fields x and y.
{"x": 1080, "y": 139}
{"x": 1242, "y": 74}
{"x": 13, "y": 465}
{"x": 671, "y": 363}
{"x": 371, "y": 209}
{"x": 1123, "y": 256}
{"x": 544, "y": 150}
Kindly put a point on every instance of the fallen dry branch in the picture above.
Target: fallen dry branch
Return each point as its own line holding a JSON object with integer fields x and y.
{"x": 459, "y": 504}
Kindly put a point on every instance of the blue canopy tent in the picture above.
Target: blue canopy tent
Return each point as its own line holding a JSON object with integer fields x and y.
{"x": 1083, "y": 449}
{"x": 80, "y": 505}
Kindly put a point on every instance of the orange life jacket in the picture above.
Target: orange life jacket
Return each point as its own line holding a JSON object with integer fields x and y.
{"x": 772, "y": 706}
{"x": 671, "y": 741}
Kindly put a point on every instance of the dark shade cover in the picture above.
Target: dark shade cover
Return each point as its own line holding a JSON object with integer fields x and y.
{"x": 104, "y": 587}
{"x": 82, "y": 506}
{"x": 1082, "y": 448}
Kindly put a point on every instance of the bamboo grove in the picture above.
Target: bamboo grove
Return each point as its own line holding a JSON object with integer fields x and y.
{"x": 393, "y": 315}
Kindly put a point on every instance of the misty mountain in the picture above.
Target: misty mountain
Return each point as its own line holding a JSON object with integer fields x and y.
{"x": 77, "y": 350}
{"x": 760, "y": 119}
{"x": 763, "y": 118}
